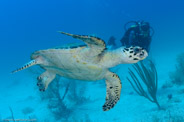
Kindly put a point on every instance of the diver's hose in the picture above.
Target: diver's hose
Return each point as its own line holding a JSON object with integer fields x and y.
{"x": 125, "y": 26}
{"x": 153, "y": 31}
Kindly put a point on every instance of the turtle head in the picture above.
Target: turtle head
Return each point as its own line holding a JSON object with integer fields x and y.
{"x": 134, "y": 54}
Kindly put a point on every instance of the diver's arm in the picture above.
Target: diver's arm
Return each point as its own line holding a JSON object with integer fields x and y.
{"x": 125, "y": 39}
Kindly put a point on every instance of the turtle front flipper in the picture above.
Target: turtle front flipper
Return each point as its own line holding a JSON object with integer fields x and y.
{"x": 96, "y": 44}
{"x": 113, "y": 90}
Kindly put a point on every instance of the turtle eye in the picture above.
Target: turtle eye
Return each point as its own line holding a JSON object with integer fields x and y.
{"x": 136, "y": 50}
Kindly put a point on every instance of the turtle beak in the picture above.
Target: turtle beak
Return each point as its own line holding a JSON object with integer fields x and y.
{"x": 143, "y": 55}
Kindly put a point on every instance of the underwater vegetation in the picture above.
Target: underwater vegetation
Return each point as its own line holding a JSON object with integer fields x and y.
{"x": 56, "y": 103}
{"x": 146, "y": 75}
{"x": 57, "y": 99}
{"x": 12, "y": 115}
{"x": 177, "y": 77}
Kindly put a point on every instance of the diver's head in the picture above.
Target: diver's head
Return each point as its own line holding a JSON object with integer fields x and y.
{"x": 145, "y": 26}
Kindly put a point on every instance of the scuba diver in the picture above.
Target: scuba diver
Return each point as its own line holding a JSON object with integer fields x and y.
{"x": 138, "y": 34}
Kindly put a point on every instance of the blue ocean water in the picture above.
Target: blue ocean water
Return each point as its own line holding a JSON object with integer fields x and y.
{"x": 27, "y": 26}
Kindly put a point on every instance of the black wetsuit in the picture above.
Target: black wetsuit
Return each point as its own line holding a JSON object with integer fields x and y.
{"x": 134, "y": 36}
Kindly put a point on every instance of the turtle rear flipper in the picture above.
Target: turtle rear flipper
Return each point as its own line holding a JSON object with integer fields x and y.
{"x": 45, "y": 79}
{"x": 96, "y": 44}
{"x": 36, "y": 60}
{"x": 113, "y": 90}
{"x": 25, "y": 66}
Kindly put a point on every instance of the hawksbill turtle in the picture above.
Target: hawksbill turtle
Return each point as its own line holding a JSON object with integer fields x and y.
{"x": 90, "y": 62}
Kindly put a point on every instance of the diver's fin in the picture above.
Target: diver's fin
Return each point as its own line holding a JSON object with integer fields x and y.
{"x": 29, "y": 64}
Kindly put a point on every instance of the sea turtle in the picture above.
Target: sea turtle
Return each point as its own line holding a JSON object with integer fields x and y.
{"x": 89, "y": 62}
